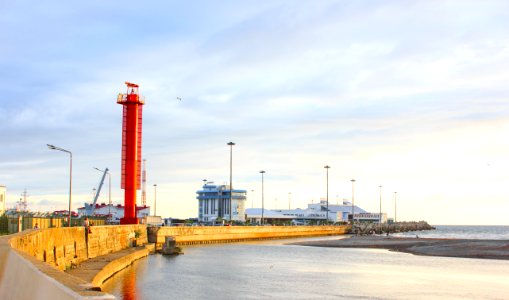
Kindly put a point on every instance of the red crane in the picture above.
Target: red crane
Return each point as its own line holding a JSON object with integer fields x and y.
{"x": 131, "y": 149}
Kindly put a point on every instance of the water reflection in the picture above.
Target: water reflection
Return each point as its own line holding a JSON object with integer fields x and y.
{"x": 124, "y": 284}
{"x": 273, "y": 270}
{"x": 129, "y": 286}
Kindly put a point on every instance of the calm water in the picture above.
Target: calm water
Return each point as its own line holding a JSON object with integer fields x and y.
{"x": 262, "y": 270}
{"x": 464, "y": 232}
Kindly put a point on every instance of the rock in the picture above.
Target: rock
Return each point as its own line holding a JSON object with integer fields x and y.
{"x": 170, "y": 246}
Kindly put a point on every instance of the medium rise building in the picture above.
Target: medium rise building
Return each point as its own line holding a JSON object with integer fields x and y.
{"x": 214, "y": 203}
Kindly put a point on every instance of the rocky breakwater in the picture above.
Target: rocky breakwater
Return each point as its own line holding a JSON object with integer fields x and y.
{"x": 372, "y": 228}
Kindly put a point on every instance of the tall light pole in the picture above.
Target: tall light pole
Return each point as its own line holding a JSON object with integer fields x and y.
{"x": 353, "y": 201}
{"x": 155, "y": 199}
{"x": 70, "y": 175}
{"x": 289, "y": 199}
{"x": 252, "y": 198}
{"x": 263, "y": 206}
{"x": 380, "y": 215}
{"x": 395, "y": 219}
{"x": 109, "y": 188}
{"x": 231, "y": 144}
{"x": 327, "y": 213}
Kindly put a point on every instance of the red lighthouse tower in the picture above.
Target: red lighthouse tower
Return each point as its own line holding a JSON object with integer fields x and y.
{"x": 131, "y": 149}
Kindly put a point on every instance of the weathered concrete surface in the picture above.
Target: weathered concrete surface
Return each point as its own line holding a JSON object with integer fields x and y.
{"x": 97, "y": 270}
{"x": 38, "y": 257}
{"x": 467, "y": 248}
{"x": 63, "y": 247}
{"x": 225, "y": 234}
{"x": 24, "y": 277}
{"x": 170, "y": 246}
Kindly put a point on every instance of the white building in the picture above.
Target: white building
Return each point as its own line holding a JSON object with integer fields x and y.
{"x": 214, "y": 203}
{"x": 314, "y": 212}
{"x": 345, "y": 210}
{"x": 3, "y": 199}
{"x": 370, "y": 217}
{"x": 115, "y": 212}
{"x": 254, "y": 215}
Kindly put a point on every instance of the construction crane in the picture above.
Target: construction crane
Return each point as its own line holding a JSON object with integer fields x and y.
{"x": 89, "y": 208}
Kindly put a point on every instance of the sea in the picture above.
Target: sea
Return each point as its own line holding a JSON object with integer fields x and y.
{"x": 276, "y": 270}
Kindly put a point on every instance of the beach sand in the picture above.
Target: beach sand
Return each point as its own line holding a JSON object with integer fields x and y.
{"x": 467, "y": 248}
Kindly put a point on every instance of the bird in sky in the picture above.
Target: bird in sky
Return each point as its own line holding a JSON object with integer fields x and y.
{"x": 179, "y": 99}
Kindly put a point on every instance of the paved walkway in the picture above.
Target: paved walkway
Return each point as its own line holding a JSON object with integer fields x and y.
{"x": 90, "y": 269}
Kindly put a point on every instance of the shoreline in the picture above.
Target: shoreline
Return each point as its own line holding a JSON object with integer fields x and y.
{"x": 460, "y": 248}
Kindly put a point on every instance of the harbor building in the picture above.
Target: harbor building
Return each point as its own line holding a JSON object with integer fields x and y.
{"x": 214, "y": 203}
{"x": 371, "y": 217}
{"x": 315, "y": 212}
{"x": 344, "y": 211}
{"x": 3, "y": 199}
{"x": 114, "y": 213}
{"x": 294, "y": 216}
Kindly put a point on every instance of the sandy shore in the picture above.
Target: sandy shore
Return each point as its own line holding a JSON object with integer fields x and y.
{"x": 490, "y": 249}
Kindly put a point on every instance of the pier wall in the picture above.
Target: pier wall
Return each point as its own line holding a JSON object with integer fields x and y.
{"x": 224, "y": 234}
{"x": 32, "y": 261}
{"x": 62, "y": 247}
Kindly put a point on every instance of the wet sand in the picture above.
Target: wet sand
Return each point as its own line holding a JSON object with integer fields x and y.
{"x": 467, "y": 248}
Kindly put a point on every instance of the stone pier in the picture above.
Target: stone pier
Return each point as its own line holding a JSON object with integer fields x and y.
{"x": 225, "y": 234}
{"x": 39, "y": 257}
{"x": 32, "y": 263}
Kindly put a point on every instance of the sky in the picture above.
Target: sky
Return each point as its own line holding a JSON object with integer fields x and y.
{"x": 412, "y": 96}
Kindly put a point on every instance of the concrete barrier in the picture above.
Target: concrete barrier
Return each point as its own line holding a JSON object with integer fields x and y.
{"x": 117, "y": 265}
{"x": 223, "y": 234}
{"x": 38, "y": 257}
{"x": 31, "y": 262}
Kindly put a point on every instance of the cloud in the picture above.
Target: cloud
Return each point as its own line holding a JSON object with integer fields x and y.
{"x": 400, "y": 92}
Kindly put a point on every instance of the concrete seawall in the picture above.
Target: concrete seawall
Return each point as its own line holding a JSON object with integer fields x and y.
{"x": 38, "y": 257}
{"x": 225, "y": 234}
{"x": 32, "y": 262}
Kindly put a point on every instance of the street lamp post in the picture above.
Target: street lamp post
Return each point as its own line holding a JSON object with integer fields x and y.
{"x": 327, "y": 213}
{"x": 353, "y": 213}
{"x": 70, "y": 175}
{"x": 155, "y": 199}
{"x": 380, "y": 215}
{"x": 231, "y": 144}
{"x": 263, "y": 207}
{"x": 252, "y": 198}
{"x": 289, "y": 199}
{"x": 395, "y": 219}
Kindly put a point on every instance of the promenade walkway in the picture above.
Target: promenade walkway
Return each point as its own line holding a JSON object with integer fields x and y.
{"x": 97, "y": 270}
